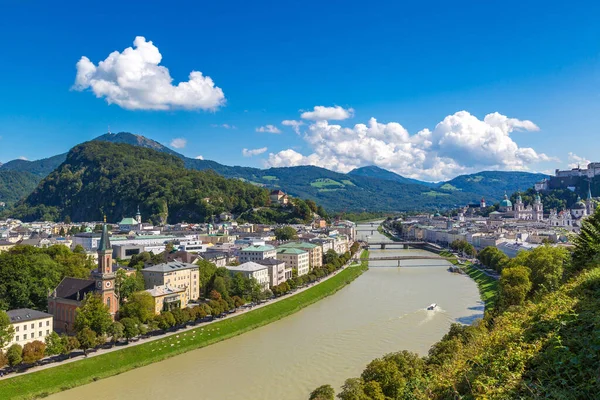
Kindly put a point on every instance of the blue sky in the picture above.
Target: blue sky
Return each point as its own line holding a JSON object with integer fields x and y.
{"x": 416, "y": 64}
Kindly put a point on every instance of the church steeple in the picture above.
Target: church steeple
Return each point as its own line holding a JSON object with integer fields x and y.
{"x": 104, "y": 251}
{"x": 138, "y": 216}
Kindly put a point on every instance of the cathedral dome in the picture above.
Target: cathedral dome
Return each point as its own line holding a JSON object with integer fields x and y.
{"x": 506, "y": 202}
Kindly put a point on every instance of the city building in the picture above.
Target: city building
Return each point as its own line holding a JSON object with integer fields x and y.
{"x": 296, "y": 259}
{"x": 257, "y": 253}
{"x": 278, "y": 271}
{"x": 168, "y": 298}
{"x": 519, "y": 210}
{"x": 315, "y": 252}
{"x": 253, "y": 270}
{"x": 176, "y": 275}
{"x": 29, "y": 325}
{"x": 279, "y": 197}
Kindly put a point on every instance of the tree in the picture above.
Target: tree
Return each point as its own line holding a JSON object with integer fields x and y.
{"x": 286, "y": 233}
{"x": 181, "y": 316}
{"x": 220, "y": 286}
{"x": 394, "y": 371}
{"x": 587, "y": 243}
{"x": 54, "y": 345}
{"x": 7, "y": 331}
{"x": 513, "y": 287}
{"x": 206, "y": 271}
{"x": 86, "y": 338}
{"x": 324, "y": 392}
{"x": 115, "y": 331}
{"x": 140, "y": 306}
{"x": 546, "y": 265}
{"x": 130, "y": 328}
{"x": 69, "y": 344}
{"x": 33, "y": 351}
{"x": 14, "y": 355}
{"x": 330, "y": 256}
{"x": 3, "y": 359}
{"x": 93, "y": 314}
{"x": 353, "y": 389}
{"x": 166, "y": 320}
{"x": 126, "y": 285}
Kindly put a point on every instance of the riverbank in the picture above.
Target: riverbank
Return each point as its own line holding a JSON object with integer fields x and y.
{"x": 385, "y": 233}
{"x": 488, "y": 285}
{"x": 63, "y": 377}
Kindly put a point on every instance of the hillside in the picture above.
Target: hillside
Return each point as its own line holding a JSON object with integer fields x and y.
{"x": 372, "y": 171}
{"x": 113, "y": 179}
{"x": 493, "y": 184}
{"x": 15, "y": 185}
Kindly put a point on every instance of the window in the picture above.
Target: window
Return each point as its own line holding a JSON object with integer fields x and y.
{"x": 24, "y": 336}
{"x": 47, "y": 323}
{"x": 39, "y": 333}
{"x": 40, "y": 324}
{"x": 47, "y": 331}
{"x": 17, "y": 329}
{"x": 17, "y": 338}
{"x": 25, "y": 327}
{"x": 32, "y": 326}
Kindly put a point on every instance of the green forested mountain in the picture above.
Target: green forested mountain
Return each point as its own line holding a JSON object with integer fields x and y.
{"x": 368, "y": 188}
{"x": 113, "y": 179}
{"x": 493, "y": 184}
{"x": 15, "y": 185}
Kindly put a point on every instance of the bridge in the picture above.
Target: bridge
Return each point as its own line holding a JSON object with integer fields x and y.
{"x": 407, "y": 258}
{"x": 405, "y": 245}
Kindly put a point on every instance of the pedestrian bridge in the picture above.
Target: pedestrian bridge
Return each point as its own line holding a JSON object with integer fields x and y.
{"x": 443, "y": 261}
{"x": 404, "y": 245}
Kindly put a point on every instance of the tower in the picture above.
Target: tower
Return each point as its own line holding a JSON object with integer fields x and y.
{"x": 589, "y": 202}
{"x": 482, "y": 203}
{"x": 138, "y": 216}
{"x": 538, "y": 208}
{"x": 104, "y": 275}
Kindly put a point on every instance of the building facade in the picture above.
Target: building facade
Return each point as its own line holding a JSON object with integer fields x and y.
{"x": 175, "y": 275}
{"x": 168, "y": 298}
{"x": 257, "y": 253}
{"x": 296, "y": 259}
{"x": 315, "y": 252}
{"x": 253, "y": 270}
{"x": 29, "y": 325}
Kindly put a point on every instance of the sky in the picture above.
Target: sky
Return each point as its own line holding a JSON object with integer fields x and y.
{"x": 429, "y": 90}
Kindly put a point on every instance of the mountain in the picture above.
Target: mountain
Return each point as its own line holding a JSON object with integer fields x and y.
{"x": 366, "y": 188}
{"x": 114, "y": 179}
{"x": 493, "y": 184}
{"x": 15, "y": 185}
{"x": 373, "y": 171}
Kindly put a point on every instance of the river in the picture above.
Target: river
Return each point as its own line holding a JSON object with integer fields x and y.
{"x": 380, "y": 312}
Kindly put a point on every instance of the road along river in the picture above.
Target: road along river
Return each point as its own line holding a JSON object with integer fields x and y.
{"x": 380, "y": 312}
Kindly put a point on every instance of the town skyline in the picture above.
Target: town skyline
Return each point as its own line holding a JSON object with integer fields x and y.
{"x": 431, "y": 110}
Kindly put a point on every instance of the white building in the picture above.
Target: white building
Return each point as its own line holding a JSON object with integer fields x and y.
{"x": 253, "y": 270}
{"x": 296, "y": 259}
{"x": 257, "y": 253}
{"x": 29, "y": 325}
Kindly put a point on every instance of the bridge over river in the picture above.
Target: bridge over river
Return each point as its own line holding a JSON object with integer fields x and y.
{"x": 408, "y": 258}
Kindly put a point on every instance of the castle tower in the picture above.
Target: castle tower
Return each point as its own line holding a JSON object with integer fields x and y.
{"x": 104, "y": 275}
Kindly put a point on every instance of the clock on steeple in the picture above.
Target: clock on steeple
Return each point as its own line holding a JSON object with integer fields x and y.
{"x": 104, "y": 275}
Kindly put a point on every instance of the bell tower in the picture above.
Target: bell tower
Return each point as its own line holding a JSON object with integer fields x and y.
{"x": 104, "y": 275}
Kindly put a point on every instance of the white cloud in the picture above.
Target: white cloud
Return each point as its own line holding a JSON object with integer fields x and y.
{"x": 253, "y": 152}
{"x": 178, "y": 143}
{"x": 226, "y": 126}
{"x": 577, "y": 161}
{"x": 321, "y": 113}
{"x": 134, "y": 80}
{"x": 460, "y": 143}
{"x": 268, "y": 128}
{"x": 23, "y": 158}
{"x": 294, "y": 124}
{"x": 199, "y": 157}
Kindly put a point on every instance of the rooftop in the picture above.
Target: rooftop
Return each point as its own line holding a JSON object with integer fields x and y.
{"x": 164, "y": 290}
{"x": 170, "y": 267}
{"x": 26, "y": 314}
{"x": 299, "y": 245}
{"x": 247, "y": 267}
{"x": 290, "y": 251}
{"x": 259, "y": 248}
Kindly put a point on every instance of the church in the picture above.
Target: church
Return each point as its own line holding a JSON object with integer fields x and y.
{"x": 571, "y": 219}
{"x": 64, "y": 300}
{"x": 531, "y": 212}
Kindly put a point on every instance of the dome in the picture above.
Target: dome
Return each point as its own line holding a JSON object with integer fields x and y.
{"x": 506, "y": 202}
{"x": 580, "y": 205}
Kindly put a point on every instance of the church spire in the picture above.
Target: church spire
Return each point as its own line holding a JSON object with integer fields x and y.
{"x": 104, "y": 240}
{"x": 589, "y": 194}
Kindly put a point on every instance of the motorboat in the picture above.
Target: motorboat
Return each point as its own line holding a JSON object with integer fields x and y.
{"x": 432, "y": 307}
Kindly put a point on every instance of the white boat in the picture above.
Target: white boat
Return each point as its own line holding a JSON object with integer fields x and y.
{"x": 432, "y": 306}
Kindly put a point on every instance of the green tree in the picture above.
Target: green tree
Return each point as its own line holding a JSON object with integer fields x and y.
{"x": 3, "y": 359}
{"x": 166, "y": 320}
{"x": 7, "y": 331}
{"x": 286, "y": 233}
{"x": 93, "y": 314}
{"x": 353, "y": 389}
{"x": 14, "y": 355}
{"x": 587, "y": 243}
{"x": 324, "y": 392}
{"x": 140, "y": 306}
{"x": 130, "y": 328}
{"x": 86, "y": 338}
{"x": 115, "y": 331}
{"x": 513, "y": 287}
{"x": 546, "y": 265}
{"x": 54, "y": 345}
{"x": 69, "y": 343}
{"x": 126, "y": 285}
{"x": 33, "y": 351}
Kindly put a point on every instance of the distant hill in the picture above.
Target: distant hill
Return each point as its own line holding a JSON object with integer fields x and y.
{"x": 367, "y": 188}
{"x": 15, "y": 185}
{"x": 113, "y": 179}
{"x": 493, "y": 184}
{"x": 373, "y": 171}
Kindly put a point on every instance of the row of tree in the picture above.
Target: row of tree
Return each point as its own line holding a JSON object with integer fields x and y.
{"x": 463, "y": 247}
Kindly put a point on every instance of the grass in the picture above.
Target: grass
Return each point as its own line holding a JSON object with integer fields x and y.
{"x": 433, "y": 193}
{"x": 488, "y": 286}
{"x": 324, "y": 182}
{"x": 270, "y": 178}
{"x": 67, "y": 376}
{"x": 447, "y": 186}
{"x": 348, "y": 183}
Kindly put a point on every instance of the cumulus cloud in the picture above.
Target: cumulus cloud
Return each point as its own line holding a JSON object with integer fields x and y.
{"x": 134, "y": 80}
{"x": 268, "y": 129}
{"x": 321, "y": 113}
{"x": 577, "y": 161}
{"x": 460, "y": 143}
{"x": 294, "y": 124}
{"x": 225, "y": 126}
{"x": 199, "y": 157}
{"x": 253, "y": 152}
{"x": 178, "y": 143}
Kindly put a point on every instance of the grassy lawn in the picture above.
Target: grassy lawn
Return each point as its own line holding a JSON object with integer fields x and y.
{"x": 324, "y": 182}
{"x": 270, "y": 178}
{"x": 487, "y": 285}
{"x": 433, "y": 193}
{"x": 63, "y": 377}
